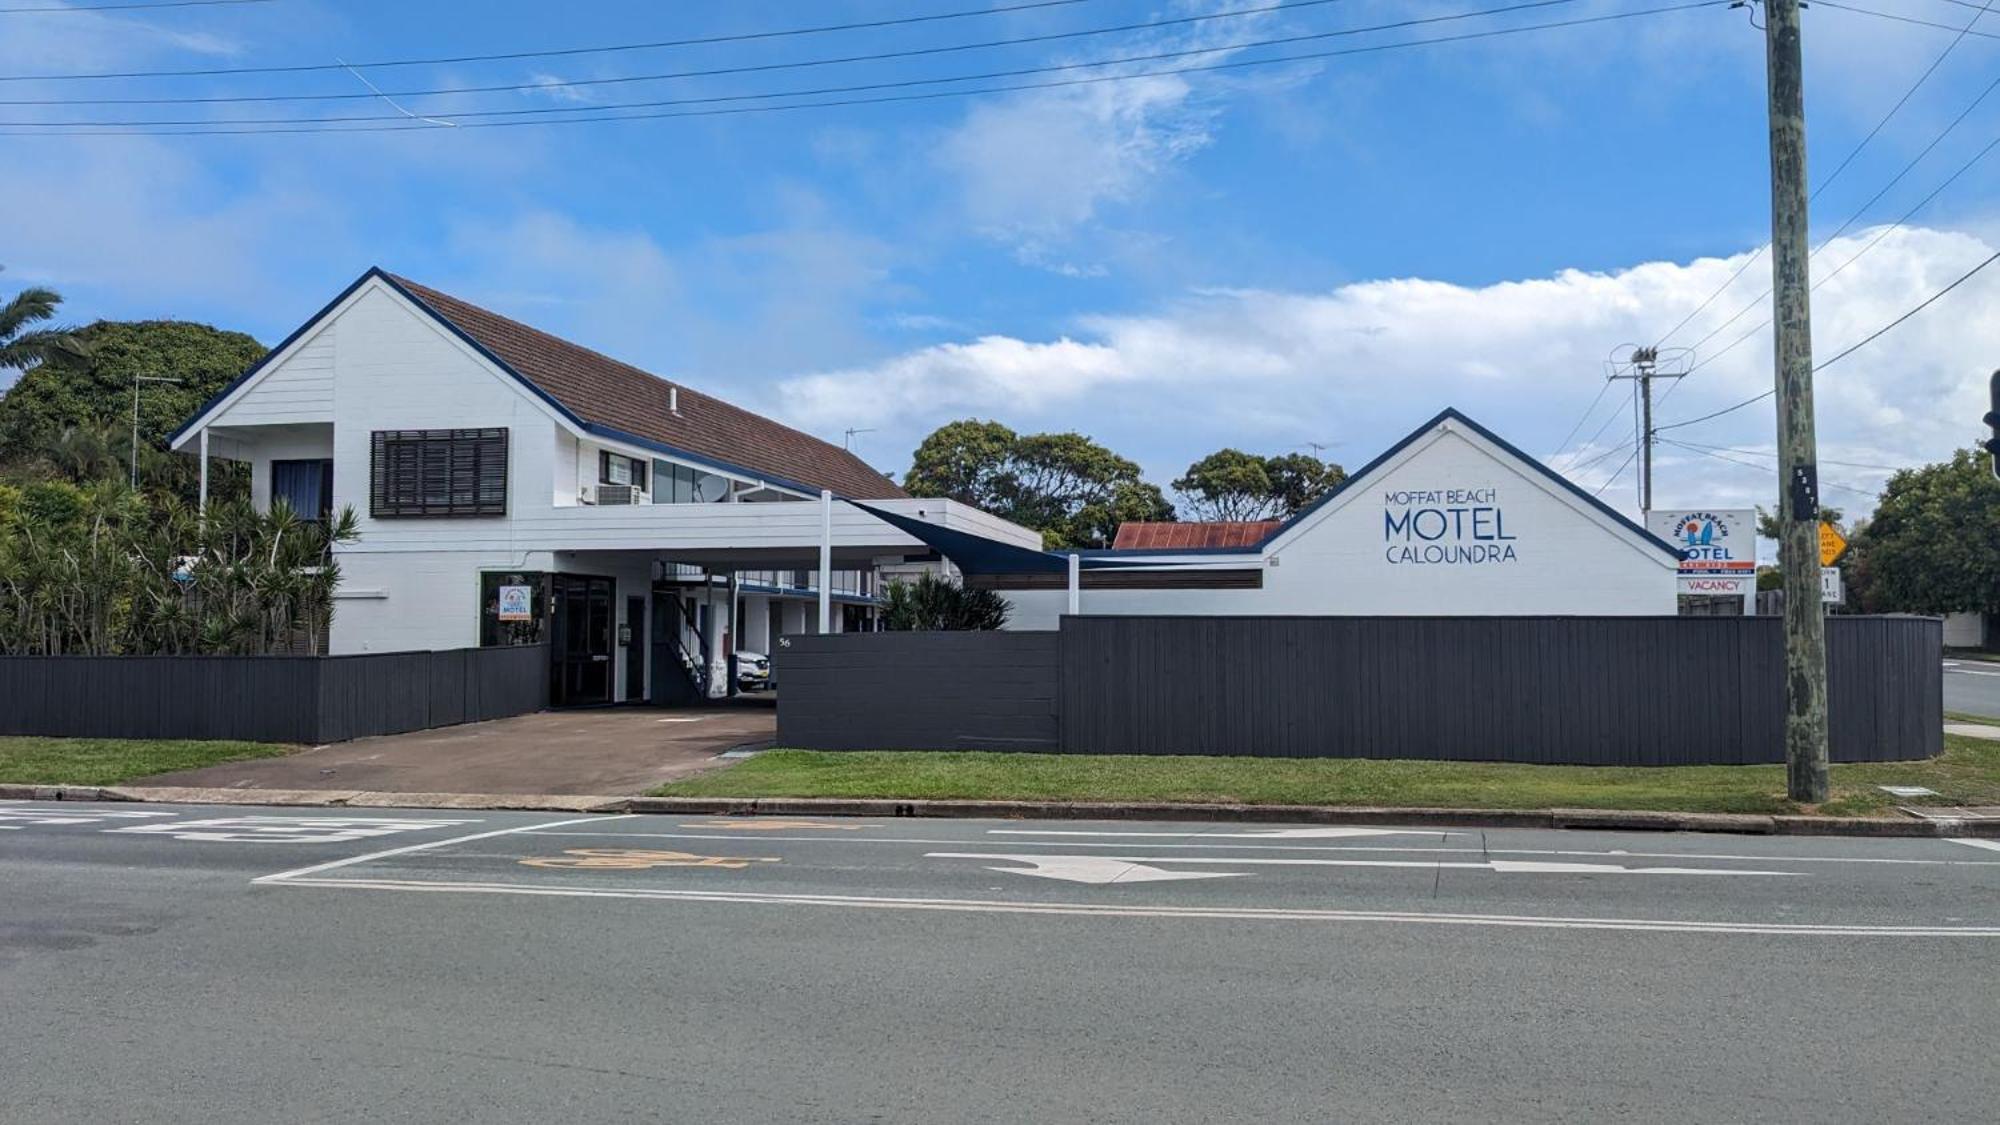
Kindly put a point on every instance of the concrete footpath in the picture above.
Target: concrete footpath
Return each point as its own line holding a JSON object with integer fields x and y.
{"x": 1924, "y": 823}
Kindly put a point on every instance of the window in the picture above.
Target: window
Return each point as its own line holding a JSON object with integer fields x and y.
{"x": 681, "y": 484}
{"x": 616, "y": 468}
{"x": 438, "y": 473}
{"x": 305, "y": 485}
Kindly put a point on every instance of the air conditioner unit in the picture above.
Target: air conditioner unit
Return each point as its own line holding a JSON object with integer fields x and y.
{"x": 609, "y": 494}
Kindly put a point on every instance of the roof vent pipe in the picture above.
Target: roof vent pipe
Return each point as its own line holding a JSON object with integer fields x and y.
{"x": 673, "y": 400}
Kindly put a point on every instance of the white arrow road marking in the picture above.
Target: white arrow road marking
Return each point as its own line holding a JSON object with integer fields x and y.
{"x": 1261, "y": 834}
{"x": 1502, "y": 866}
{"x": 1090, "y": 868}
{"x": 1989, "y": 845}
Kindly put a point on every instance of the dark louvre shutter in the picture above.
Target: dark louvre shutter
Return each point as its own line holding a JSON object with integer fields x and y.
{"x": 438, "y": 473}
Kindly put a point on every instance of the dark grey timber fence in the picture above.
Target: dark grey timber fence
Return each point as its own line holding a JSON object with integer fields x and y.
{"x": 268, "y": 698}
{"x": 909, "y": 691}
{"x": 1569, "y": 690}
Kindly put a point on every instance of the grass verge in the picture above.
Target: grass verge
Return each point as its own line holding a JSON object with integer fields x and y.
{"x": 111, "y": 761}
{"x": 1967, "y": 773}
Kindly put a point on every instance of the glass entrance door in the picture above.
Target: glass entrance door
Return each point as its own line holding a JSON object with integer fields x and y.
{"x": 580, "y": 659}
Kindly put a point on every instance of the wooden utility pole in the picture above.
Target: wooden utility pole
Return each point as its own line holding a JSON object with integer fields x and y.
{"x": 1798, "y": 457}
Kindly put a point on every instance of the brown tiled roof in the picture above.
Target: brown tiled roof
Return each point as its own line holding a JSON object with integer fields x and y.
{"x": 1191, "y": 536}
{"x": 604, "y": 391}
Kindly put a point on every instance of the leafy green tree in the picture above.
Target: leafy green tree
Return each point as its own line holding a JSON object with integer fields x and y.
{"x": 932, "y": 604}
{"x": 1230, "y": 484}
{"x": 1066, "y": 486}
{"x": 1933, "y": 545}
{"x": 23, "y": 346}
{"x": 98, "y": 568}
{"x": 61, "y": 415}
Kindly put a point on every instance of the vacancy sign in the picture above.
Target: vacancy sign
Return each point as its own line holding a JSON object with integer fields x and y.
{"x": 1718, "y": 547}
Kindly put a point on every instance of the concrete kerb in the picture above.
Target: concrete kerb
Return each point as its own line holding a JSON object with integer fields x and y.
{"x": 1596, "y": 819}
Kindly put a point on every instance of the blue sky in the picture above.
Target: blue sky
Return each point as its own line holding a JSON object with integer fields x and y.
{"x": 1324, "y": 251}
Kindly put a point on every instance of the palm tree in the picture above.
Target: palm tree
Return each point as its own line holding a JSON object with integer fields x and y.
{"x": 22, "y": 346}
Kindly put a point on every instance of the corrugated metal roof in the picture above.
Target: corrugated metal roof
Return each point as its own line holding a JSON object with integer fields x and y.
{"x": 1148, "y": 536}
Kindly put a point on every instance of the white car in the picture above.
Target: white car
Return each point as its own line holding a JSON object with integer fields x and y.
{"x": 753, "y": 671}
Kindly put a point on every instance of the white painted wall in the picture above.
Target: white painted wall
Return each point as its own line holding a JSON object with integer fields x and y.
{"x": 1964, "y": 630}
{"x": 285, "y": 443}
{"x": 1568, "y": 558}
{"x": 297, "y": 387}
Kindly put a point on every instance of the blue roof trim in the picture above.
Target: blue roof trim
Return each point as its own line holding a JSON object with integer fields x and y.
{"x": 612, "y": 432}
{"x": 264, "y": 361}
{"x": 616, "y": 434}
{"x": 1452, "y": 414}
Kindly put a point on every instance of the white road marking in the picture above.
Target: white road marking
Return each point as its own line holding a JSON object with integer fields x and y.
{"x": 289, "y": 829}
{"x": 1261, "y": 834}
{"x": 1964, "y": 671}
{"x": 1410, "y": 850}
{"x": 977, "y": 906}
{"x": 1095, "y": 869}
{"x": 351, "y": 860}
{"x": 1989, "y": 845}
{"x": 70, "y": 816}
{"x": 1503, "y": 866}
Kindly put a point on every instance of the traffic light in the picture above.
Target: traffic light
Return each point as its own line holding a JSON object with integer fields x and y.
{"x": 1993, "y": 422}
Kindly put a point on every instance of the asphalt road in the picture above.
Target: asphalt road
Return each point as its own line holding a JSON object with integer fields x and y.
{"x": 1972, "y": 687}
{"x": 167, "y": 964}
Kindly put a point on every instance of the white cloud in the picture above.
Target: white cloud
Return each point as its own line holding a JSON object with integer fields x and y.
{"x": 1361, "y": 364}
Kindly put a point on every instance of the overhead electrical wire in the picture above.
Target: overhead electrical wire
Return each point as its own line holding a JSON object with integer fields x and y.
{"x": 137, "y": 6}
{"x": 1772, "y": 455}
{"x": 1824, "y": 483}
{"x": 552, "y": 52}
{"x": 1835, "y": 174}
{"x": 1850, "y": 349}
{"x": 865, "y": 87}
{"x": 595, "y": 114}
{"x": 878, "y": 56}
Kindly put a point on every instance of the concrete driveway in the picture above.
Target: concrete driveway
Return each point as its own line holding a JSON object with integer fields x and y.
{"x": 609, "y": 751}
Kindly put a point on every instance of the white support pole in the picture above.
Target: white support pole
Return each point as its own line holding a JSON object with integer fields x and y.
{"x": 825, "y": 561}
{"x": 202, "y": 505}
{"x": 1075, "y": 584}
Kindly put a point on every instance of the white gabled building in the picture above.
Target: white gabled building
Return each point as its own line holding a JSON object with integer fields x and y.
{"x": 1450, "y": 521}
{"x": 635, "y": 525}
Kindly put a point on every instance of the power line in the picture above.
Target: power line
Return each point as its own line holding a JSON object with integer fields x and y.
{"x": 1899, "y": 19}
{"x": 1602, "y": 387}
{"x": 1835, "y": 174}
{"x": 1870, "y": 493}
{"x": 1850, "y": 349}
{"x": 1873, "y": 336}
{"x": 1773, "y": 456}
{"x": 593, "y": 115}
{"x": 1577, "y": 468}
{"x": 556, "y": 52}
{"x": 1622, "y": 466}
{"x": 133, "y": 7}
{"x": 865, "y": 87}
{"x": 879, "y": 56}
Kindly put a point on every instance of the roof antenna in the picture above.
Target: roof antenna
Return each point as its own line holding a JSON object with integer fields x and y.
{"x": 372, "y": 88}
{"x": 847, "y": 442}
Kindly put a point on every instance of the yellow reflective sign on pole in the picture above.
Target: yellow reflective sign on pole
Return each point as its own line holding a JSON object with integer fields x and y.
{"x": 1832, "y": 544}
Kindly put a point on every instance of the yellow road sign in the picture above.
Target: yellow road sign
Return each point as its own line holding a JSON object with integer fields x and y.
{"x": 1832, "y": 544}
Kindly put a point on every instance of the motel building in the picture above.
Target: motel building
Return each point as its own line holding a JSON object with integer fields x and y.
{"x": 514, "y": 488}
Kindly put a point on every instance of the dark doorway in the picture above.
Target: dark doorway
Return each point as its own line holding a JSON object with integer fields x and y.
{"x": 674, "y": 680}
{"x": 633, "y": 637}
{"x": 580, "y": 658}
